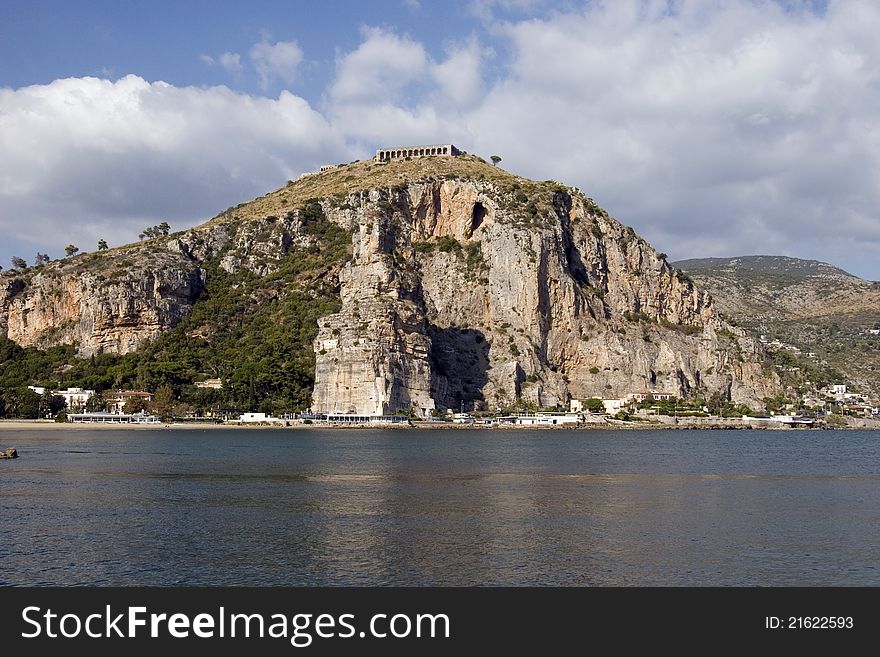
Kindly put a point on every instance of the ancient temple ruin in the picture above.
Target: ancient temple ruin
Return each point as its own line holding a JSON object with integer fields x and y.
{"x": 388, "y": 154}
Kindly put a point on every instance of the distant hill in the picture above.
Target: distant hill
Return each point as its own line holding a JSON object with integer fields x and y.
{"x": 811, "y": 305}
{"x": 783, "y": 267}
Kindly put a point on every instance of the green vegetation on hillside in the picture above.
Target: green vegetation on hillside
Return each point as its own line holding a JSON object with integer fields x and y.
{"x": 814, "y": 317}
{"x": 255, "y": 333}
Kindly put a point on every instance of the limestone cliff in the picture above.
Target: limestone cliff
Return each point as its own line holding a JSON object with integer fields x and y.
{"x": 114, "y": 308}
{"x": 474, "y": 293}
{"x": 464, "y": 286}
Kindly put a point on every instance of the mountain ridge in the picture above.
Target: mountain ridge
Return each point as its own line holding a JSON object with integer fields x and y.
{"x": 790, "y": 266}
{"x": 437, "y": 283}
{"x": 809, "y": 306}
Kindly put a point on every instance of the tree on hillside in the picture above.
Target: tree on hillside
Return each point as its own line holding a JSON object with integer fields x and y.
{"x": 495, "y": 159}
{"x": 134, "y": 405}
{"x": 50, "y": 404}
{"x": 102, "y": 245}
{"x": 40, "y": 259}
{"x": 96, "y": 404}
{"x": 163, "y": 402}
{"x": 18, "y": 263}
{"x": 71, "y": 250}
{"x": 155, "y": 231}
{"x": 716, "y": 403}
{"x": 22, "y": 403}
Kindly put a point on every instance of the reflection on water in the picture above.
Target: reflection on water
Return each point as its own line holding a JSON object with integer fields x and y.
{"x": 440, "y": 507}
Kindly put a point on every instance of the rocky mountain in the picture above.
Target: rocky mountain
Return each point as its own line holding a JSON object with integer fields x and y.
{"x": 802, "y": 307}
{"x": 423, "y": 285}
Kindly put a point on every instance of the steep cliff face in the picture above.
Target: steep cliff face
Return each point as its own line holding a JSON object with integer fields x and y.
{"x": 477, "y": 293}
{"x": 464, "y": 286}
{"x": 112, "y": 309}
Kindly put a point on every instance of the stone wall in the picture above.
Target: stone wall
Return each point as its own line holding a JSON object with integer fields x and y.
{"x": 401, "y": 152}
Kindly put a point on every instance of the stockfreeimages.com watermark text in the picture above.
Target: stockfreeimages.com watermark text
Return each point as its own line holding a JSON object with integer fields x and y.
{"x": 300, "y": 629}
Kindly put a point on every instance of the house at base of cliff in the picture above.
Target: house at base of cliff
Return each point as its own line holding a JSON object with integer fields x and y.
{"x": 614, "y": 406}
{"x": 117, "y": 400}
{"x": 258, "y": 418}
{"x": 75, "y": 398}
{"x": 102, "y": 417}
{"x": 643, "y": 395}
{"x": 544, "y": 419}
{"x": 353, "y": 418}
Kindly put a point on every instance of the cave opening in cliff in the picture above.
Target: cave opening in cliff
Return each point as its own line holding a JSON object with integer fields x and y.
{"x": 477, "y": 216}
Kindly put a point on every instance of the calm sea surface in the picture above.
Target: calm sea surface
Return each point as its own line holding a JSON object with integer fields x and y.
{"x": 296, "y": 507}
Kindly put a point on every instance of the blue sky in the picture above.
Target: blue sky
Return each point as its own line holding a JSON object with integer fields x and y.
{"x": 713, "y": 128}
{"x": 41, "y": 41}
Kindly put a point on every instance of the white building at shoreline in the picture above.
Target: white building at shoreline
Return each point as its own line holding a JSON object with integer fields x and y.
{"x": 75, "y": 398}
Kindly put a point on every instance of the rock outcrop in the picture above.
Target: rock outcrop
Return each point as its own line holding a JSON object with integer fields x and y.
{"x": 115, "y": 309}
{"x": 465, "y": 287}
{"x": 464, "y": 294}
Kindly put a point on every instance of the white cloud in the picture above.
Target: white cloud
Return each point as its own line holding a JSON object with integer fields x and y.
{"x": 388, "y": 90}
{"x": 378, "y": 69}
{"x": 231, "y": 62}
{"x": 488, "y": 10}
{"x": 85, "y": 158}
{"x": 278, "y": 60}
{"x": 228, "y": 61}
{"x": 459, "y": 77}
{"x": 712, "y": 128}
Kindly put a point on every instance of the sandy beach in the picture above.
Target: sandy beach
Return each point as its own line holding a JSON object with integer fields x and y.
{"x": 610, "y": 424}
{"x": 50, "y": 425}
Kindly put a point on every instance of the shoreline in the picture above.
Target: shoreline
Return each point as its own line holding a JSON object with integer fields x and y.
{"x": 610, "y": 425}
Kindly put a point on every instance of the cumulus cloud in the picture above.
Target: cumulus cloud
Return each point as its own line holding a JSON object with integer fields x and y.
{"x": 276, "y": 61}
{"x": 228, "y": 61}
{"x": 86, "y": 158}
{"x": 715, "y": 129}
{"x": 389, "y": 90}
{"x": 712, "y": 128}
{"x": 459, "y": 77}
{"x": 379, "y": 68}
{"x": 231, "y": 62}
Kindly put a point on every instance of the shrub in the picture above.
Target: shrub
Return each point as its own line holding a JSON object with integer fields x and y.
{"x": 447, "y": 244}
